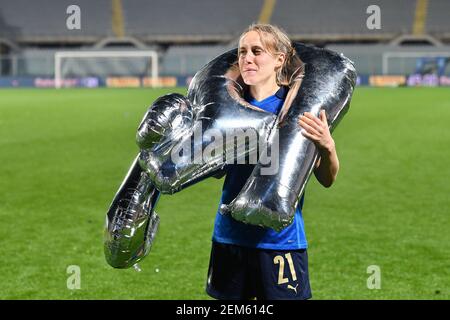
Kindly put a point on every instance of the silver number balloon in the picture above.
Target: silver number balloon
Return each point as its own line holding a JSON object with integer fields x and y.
{"x": 270, "y": 200}
{"x": 219, "y": 111}
{"x": 177, "y": 130}
{"x": 131, "y": 222}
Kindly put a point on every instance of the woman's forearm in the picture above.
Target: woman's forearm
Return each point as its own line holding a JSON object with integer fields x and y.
{"x": 328, "y": 168}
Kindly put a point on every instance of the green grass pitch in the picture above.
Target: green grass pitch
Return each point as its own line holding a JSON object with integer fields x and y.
{"x": 65, "y": 152}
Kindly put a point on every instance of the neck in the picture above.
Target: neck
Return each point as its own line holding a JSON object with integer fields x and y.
{"x": 260, "y": 92}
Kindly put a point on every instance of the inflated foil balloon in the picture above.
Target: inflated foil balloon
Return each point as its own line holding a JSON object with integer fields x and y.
{"x": 202, "y": 141}
{"x": 270, "y": 199}
{"x": 131, "y": 222}
{"x": 185, "y": 140}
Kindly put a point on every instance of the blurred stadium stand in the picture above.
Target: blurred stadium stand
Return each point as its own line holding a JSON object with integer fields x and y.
{"x": 44, "y": 21}
{"x": 189, "y": 21}
{"x": 188, "y": 34}
{"x": 438, "y": 19}
{"x": 343, "y": 20}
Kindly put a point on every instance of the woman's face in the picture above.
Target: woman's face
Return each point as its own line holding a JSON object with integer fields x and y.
{"x": 256, "y": 64}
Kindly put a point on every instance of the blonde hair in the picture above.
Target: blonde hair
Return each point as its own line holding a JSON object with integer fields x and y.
{"x": 276, "y": 41}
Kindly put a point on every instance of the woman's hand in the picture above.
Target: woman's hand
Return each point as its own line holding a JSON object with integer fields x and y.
{"x": 316, "y": 129}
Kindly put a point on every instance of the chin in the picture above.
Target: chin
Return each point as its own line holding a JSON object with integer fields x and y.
{"x": 249, "y": 82}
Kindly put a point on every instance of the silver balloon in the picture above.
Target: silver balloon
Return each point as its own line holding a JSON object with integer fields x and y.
{"x": 131, "y": 222}
{"x": 220, "y": 116}
{"x": 186, "y": 140}
{"x": 167, "y": 118}
{"x": 328, "y": 83}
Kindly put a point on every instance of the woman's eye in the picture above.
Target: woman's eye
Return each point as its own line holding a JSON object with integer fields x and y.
{"x": 255, "y": 52}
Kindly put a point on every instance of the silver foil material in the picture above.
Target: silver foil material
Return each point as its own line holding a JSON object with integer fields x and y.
{"x": 176, "y": 131}
{"x": 270, "y": 200}
{"x": 131, "y": 222}
{"x": 218, "y": 110}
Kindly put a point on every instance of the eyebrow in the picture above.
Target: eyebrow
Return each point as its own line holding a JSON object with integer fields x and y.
{"x": 253, "y": 47}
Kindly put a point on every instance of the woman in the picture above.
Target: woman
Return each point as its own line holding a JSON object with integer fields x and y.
{"x": 250, "y": 261}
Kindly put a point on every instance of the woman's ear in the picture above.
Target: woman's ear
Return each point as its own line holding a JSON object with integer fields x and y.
{"x": 280, "y": 59}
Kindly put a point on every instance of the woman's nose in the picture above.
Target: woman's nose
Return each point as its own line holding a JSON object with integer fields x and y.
{"x": 248, "y": 58}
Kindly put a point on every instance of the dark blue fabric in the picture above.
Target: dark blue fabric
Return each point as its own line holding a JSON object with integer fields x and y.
{"x": 240, "y": 273}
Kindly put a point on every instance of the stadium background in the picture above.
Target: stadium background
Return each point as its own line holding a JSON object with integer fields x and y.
{"x": 65, "y": 151}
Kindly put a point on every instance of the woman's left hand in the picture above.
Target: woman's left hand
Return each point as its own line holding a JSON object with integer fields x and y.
{"x": 316, "y": 129}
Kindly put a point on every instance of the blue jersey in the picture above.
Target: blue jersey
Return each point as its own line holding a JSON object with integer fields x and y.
{"x": 230, "y": 231}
